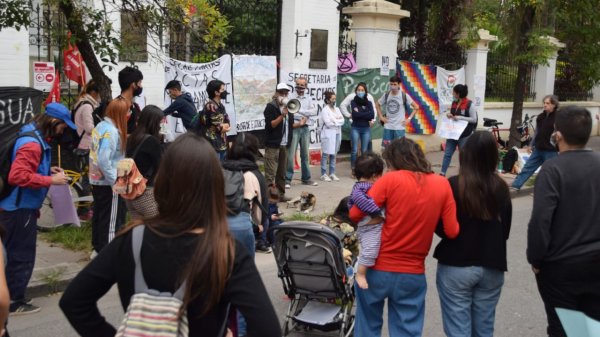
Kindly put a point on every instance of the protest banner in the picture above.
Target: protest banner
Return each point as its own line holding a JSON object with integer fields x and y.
{"x": 449, "y": 128}
{"x": 419, "y": 81}
{"x": 446, "y": 80}
{"x": 17, "y": 106}
{"x": 254, "y": 82}
{"x": 194, "y": 77}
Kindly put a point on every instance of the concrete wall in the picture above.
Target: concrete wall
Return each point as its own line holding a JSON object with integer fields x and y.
{"x": 14, "y": 58}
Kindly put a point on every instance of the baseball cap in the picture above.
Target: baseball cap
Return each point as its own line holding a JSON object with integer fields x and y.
{"x": 61, "y": 112}
{"x": 283, "y": 86}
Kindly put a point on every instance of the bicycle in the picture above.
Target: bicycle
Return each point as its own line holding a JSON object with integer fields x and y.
{"x": 492, "y": 126}
{"x": 526, "y": 129}
{"x": 81, "y": 199}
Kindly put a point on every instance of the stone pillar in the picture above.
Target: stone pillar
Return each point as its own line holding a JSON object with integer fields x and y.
{"x": 376, "y": 24}
{"x": 476, "y": 67}
{"x": 545, "y": 74}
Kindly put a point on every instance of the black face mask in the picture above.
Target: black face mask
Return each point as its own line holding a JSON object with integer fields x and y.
{"x": 137, "y": 91}
{"x": 223, "y": 95}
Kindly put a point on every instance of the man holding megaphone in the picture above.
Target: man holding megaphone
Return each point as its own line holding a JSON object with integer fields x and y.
{"x": 301, "y": 135}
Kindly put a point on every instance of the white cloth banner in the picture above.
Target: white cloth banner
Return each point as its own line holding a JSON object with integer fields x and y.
{"x": 254, "y": 82}
{"x": 194, "y": 77}
{"x": 446, "y": 80}
{"x": 318, "y": 83}
{"x": 449, "y": 128}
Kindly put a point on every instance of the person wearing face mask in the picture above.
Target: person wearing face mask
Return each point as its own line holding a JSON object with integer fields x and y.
{"x": 563, "y": 236}
{"x": 31, "y": 175}
{"x": 278, "y": 137}
{"x": 215, "y": 118}
{"x": 363, "y": 114}
{"x": 182, "y": 106}
{"x": 396, "y": 103}
{"x": 462, "y": 109}
{"x": 130, "y": 81}
{"x": 301, "y": 135}
{"x": 331, "y": 136}
{"x": 543, "y": 149}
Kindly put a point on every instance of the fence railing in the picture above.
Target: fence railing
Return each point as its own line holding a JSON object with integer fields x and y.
{"x": 501, "y": 76}
{"x": 566, "y": 86}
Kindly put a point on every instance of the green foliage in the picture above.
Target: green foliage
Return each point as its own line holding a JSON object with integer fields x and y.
{"x": 14, "y": 14}
{"x": 73, "y": 238}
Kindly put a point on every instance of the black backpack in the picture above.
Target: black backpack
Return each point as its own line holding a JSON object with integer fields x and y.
{"x": 234, "y": 192}
{"x": 509, "y": 160}
{"x": 97, "y": 114}
{"x": 6, "y": 161}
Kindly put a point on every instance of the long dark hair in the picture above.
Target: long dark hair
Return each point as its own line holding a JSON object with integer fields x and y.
{"x": 189, "y": 201}
{"x": 245, "y": 146}
{"x": 405, "y": 154}
{"x": 46, "y": 125}
{"x": 479, "y": 185}
{"x": 148, "y": 123}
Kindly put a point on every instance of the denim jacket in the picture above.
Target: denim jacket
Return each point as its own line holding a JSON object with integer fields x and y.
{"x": 105, "y": 153}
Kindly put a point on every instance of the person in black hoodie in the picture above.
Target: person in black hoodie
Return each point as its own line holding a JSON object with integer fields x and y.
{"x": 182, "y": 106}
{"x": 278, "y": 137}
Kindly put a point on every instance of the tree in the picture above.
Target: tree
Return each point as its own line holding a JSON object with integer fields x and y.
{"x": 98, "y": 41}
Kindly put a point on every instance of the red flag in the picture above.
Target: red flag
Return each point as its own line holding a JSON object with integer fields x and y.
{"x": 54, "y": 94}
{"x": 73, "y": 64}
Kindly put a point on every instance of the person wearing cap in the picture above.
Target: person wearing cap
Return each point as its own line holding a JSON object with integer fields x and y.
{"x": 31, "y": 174}
{"x": 278, "y": 137}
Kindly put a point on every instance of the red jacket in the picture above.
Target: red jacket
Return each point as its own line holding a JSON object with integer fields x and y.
{"x": 414, "y": 203}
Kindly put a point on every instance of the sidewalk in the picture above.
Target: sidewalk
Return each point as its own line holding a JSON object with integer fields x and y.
{"x": 55, "y": 267}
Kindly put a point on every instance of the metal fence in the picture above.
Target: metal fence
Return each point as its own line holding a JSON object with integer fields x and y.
{"x": 501, "y": 76}
{"x": 566, "y": 86}
{"x": 451, "y": 58}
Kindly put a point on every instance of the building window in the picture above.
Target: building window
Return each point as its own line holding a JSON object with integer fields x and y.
{"x": 318, "y": 49}
{"x": 134, "y": 35}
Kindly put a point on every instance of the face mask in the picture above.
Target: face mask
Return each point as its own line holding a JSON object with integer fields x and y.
{"x": 553, "y": 139}
{"x": 137, "y": 91}
{"x": 284, "y": 100}
{"x": 223, "y": 95}
{"x": 300, "y": 90}
{"x": 361, "y": 94}
{"x": 394, "y": 88}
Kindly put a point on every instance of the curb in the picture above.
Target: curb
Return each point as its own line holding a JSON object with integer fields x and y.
{"x": 51, "y": 280}
{"x": 523, "y": 192}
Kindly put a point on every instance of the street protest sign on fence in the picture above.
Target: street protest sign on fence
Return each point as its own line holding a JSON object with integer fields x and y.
{"x": 17, "y": 106}
{"x": 194, "y": 77}
{"x": 43, "y": 75}
{"x": 254, "y": 82}
{"x": 318, "y": 81}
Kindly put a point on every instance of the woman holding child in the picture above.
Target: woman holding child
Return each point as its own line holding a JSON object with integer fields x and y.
{"x": 415, "y": 200}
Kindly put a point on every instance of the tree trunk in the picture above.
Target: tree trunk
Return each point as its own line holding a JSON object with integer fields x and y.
{"x": 76, "y": 26}
{"x": 520, "y": 82}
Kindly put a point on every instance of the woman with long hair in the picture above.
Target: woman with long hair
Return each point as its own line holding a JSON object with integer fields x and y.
{"x": 471, "y": 267}
{"x": 145, "y": 148}
{"x": 462, "y": 109}
{"x": 415, "y": 200}
{"x": 189, "y": 241}
{"x": 109, "y": 144}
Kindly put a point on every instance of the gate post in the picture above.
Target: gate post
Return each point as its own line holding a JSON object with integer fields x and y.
{"x": 476, "y": 68}
{"x": 545, "y": 75}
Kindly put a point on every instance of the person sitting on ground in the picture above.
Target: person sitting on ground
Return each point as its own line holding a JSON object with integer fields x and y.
{"x": 274, "y": 214}
{"x": 182, "y": 106}
{"x": 189, "y": 241}
{"x": 369, "y": 167}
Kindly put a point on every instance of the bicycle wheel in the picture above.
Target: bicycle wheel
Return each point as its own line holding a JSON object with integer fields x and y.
{"x": 46, "y": 221}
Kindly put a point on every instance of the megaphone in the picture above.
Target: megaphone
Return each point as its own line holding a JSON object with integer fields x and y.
{"x": 293, "y": 106}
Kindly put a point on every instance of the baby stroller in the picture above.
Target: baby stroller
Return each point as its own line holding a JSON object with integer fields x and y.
{"x": 311, "y": 266}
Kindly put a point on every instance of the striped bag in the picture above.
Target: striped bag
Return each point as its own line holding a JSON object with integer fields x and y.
{"x": 151, "y": 313}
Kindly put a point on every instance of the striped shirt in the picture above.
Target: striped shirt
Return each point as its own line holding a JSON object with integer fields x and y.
{"x": 364, "y": 202}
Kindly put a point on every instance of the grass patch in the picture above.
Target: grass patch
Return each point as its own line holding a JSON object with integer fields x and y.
{"x": 530, "y": 182}
{"x": 72, "y": 238}
{"x": 299, "y": 216}
{"x": 52, "y": 278}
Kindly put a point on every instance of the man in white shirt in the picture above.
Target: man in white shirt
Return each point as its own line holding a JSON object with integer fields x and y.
{"x": 394, "y": 121}
{"x": 301, "y": 135}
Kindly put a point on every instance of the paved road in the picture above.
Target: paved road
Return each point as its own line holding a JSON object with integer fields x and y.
{"x": 519, "y": 313}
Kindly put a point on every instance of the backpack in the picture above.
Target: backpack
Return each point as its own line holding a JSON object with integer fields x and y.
{"x": 509, "y": 160}
{"x": 6, "y": 161}
{"x": 234, "y": 192}
{"x": 150, "y": 312}
{"x": 97, "y": 113}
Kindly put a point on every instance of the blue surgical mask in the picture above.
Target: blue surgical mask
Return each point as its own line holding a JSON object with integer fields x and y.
{"x": 361, "y": 94}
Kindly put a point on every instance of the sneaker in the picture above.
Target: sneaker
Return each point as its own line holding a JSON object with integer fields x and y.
{"x": 334, "y": 177}
{"x": 24, "y": 309}
{"x": 325, "y": 178}
{"x": 87, "y": 216}
{"x": 263, "y": 249}
{"x": 288, "y": 186}
{"x": 310, "y": 183}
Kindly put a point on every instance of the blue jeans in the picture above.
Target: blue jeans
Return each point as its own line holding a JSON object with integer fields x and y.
{"x": 451, "y": 145}
{"x": 240, "y": 227}
{"x": 468, "y": 297}
{"x": 300, "y": 136}
{"x": 390, "y": 135}
{"x": 406, "y": 304}
{"x": 536, "y": 160}
{"x": 330, "y": 157}
{"x": 364, "y": 134}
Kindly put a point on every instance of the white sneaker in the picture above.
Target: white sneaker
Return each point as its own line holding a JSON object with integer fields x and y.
{"x": 325, "y": 178}
{"x": 288, "y": 186}
{"x": 334, "y": 177}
